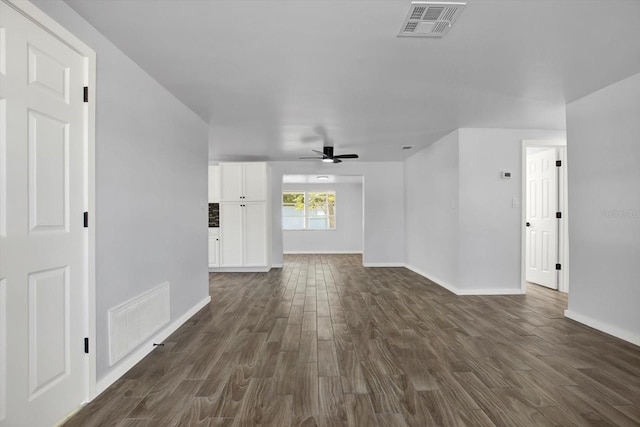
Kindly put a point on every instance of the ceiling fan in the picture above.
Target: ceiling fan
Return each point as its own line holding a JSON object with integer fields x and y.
{"x": 327, "y": 150}
{"x": 329, "y": 157}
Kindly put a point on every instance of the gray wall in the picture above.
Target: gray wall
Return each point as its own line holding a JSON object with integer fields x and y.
{"x": 151, "y": 174}
{"x": 462, "y": 230}
{"x": 490, "y": 228}
{"x": 603, "y": 131}
{"x": 383, "y": 205}
{"x": 346, "y": 238}
{"x": 431, "y": 207}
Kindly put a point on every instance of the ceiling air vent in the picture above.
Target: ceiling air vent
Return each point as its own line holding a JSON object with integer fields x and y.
{"x": 430, "y": 19}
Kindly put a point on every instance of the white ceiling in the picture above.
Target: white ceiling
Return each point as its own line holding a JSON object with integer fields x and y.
{"x": 263, "y": 73}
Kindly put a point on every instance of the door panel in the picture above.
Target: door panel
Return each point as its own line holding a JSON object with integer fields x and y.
{"x": 255, "y": 241}
{"x": 231, "y": 235}
{"x": 49, "y": 361}
{"x": 47, "y": 73}
{"x": 43, "y": 254}
{"x": 48, "y": 173}
{"x": 231, "y": 181}
{"x": 542, "y": 204}
{"x": 255, "y": 182}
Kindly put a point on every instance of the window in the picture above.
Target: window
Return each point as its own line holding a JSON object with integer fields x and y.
{"x": 302, "y": 210}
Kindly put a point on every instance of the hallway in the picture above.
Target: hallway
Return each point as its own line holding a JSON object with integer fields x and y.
{"x": 325, "y": 341}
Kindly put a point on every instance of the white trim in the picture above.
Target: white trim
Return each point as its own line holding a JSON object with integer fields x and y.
{"x": 603, "y": 327}
{"x": 130, "y": 361}
{"x": 277, "y": 266}
{"x": 383, "y": 264}
{"x": 489, "y": 291}
{"x": 239, "y": 269}
{"x": 321, "y": 252}
{"x": 41, "y": 19}
{"x": 462, "y": 292}
{"x": 563, "y": 234}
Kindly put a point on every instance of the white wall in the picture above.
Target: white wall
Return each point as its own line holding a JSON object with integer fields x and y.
{"x": 476, "y": 248}
{"x": 603, "y": 131}
{"x": 347, "y": 236}
{"x": 383, "y": 206}
{"x": 431, "y": 210}
{"x": 151, "y": 174}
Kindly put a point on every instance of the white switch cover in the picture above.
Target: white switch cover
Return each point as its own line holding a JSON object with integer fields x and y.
{"x": 515, "y": 202}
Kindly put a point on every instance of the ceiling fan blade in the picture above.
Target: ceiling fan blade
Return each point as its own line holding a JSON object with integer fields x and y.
{"x": 336, "y": 160}
{"x": 321, "y": 153}
{"x": 308, "y": 158}
{"x": 346, "y": 156}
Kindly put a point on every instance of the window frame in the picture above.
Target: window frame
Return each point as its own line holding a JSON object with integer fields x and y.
{"x": 307, "y": 211}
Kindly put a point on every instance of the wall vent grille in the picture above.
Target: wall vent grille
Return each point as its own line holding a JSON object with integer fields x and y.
{"x": 430, "y": 19}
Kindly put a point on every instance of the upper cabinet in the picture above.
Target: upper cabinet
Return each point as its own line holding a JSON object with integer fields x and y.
{"x": 214, "y": 184}
{"x": 243, "y": 182}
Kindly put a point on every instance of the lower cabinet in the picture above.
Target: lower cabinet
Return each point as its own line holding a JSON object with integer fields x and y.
{"x": 243, "y": 234}
{"x": 214, "y": 251}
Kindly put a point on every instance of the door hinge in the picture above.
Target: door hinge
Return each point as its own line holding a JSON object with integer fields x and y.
{"x": 558, "y": 215}
{"x": 86, "y": 345}
{"x": 86, "y": 94}
{"x": 558, "y": 267}
{"x": 86, "y": 219}
{"x": 558, "y": 163}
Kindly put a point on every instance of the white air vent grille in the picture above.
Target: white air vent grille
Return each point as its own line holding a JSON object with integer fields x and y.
{"x": 430, "y": 19}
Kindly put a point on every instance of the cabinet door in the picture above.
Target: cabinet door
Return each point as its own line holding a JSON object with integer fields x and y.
{"x": 255, "y": 182}
{"x": 255, "y": 234}
{"x": 214, "y": 252}
{"x": 214, "y": 184}
{"x": 231, "y": 235}
{"x": 231, "y": 182}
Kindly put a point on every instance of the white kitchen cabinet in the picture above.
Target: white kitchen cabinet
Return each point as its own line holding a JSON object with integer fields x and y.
{"x": 214, "y": 252}
{"x": 214, "y": 184}
{"x": 243, "y": 234}
{"x": 243, "y": 182}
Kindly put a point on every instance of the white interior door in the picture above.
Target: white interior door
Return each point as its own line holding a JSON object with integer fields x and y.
{"x": 542, "y": 224}
{"x": 43, "y": 257}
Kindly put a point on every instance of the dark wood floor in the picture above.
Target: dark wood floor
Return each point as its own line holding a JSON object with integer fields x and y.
{"x": 326, "y": 342}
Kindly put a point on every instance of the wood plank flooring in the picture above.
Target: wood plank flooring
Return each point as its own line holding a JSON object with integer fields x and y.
{"x": 327, "y": 342}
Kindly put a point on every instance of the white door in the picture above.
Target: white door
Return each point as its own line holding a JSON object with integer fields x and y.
{"x": 231, "y": 235}
{"x": 254, "y": 182}
{"x": 231, "y": 182}
{"x": 255, "y": 234}
{"x": 542, "y": 224}
{"x": 42, "y": 247}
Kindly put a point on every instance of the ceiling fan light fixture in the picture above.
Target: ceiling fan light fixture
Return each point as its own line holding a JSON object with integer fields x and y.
{"x": 323, "y": 178}
{"x": 327, "y": 160}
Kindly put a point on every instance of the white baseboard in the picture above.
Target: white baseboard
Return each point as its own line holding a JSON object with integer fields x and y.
{"x": 458, "y": 291}
{"x": 239, "y": 269}
{"x": 383, "y": 264}
{"x": 321, "y": 252}
{"x": 276, "y": 266}
{"x": 130, "y": 361}
{"x": 604, "y": 327}
{"x": 489, "y": 291}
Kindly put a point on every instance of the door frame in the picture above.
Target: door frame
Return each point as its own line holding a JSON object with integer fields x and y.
{"x": 41, "y": 19}
{"x": 563, "y": 228}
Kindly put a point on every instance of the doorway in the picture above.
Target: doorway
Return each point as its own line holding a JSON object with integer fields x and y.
{"x": 544, "y": 215}
{"x": 322, "y": 214}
